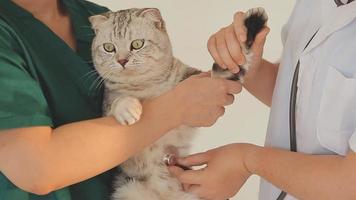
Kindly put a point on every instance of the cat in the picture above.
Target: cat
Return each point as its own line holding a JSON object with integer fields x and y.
{"x": 133, "y": 55}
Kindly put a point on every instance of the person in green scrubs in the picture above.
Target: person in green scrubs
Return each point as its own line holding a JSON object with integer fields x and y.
{"x": 54, "y": 144}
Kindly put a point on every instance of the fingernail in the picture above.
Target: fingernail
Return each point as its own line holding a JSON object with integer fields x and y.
{"x": 242, "y": 61}
{"x": 236, "y": 70}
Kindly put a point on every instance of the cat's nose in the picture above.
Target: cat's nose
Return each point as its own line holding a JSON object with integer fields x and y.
{"x": 123, "y": 62}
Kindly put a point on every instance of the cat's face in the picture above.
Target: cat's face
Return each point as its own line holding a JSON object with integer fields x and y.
{"x": 130, "y": 44}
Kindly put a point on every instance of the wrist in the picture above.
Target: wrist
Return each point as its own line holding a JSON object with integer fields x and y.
{"x": 252, "y": 73}
{"x": 177, "y": 104}
{"x": 167, "y": 109}
{"x": 251, "y": 158}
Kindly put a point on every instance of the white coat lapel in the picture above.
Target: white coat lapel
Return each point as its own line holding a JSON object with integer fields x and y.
{"x": 338, "y": 18}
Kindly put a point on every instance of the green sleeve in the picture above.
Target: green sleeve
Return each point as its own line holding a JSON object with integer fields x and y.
{"x": 22, "y": 103}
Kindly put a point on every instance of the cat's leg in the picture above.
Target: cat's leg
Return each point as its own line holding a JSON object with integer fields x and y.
{"x": 127, "y": 110}
{"x": 255, "y": 21}
{"x": 135, "y": 190}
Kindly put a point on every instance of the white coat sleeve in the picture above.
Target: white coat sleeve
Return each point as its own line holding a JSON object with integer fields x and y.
{"x": 352, "y": 142}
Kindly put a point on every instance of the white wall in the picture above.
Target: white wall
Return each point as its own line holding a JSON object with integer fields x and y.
{"x": 190, "y": 23}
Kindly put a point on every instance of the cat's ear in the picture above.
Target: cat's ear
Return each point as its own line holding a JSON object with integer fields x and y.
{"x": 155, "y": 15}
{"x": 97, "y": 20}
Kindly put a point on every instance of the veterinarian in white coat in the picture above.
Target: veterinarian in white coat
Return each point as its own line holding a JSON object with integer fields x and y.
{"x": 326, "y": 103}
{"x": 325, "y": 165}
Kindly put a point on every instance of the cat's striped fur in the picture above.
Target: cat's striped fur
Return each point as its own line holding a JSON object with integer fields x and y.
{"x": 133, "y": 74}
{"x": 149, "y": 72}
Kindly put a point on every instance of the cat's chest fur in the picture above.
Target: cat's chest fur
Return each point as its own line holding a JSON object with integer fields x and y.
{"x": 148, "y": 89}
{"x": 140, "y": 91}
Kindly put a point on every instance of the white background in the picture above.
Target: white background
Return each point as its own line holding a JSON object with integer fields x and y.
{"x": 190, "y": 23}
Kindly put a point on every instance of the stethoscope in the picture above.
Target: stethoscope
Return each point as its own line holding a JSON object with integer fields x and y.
{"x": 292, "y": 108}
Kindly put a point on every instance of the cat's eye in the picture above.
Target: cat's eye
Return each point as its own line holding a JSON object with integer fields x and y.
{"x": 108, "y": 47}
{"x": 137, "y": 44}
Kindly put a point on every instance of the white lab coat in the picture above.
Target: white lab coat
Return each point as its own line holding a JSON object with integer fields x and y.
{"x": 326, "y": 101}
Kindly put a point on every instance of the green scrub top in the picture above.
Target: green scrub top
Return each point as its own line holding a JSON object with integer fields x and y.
{"x": 43, "y": 82}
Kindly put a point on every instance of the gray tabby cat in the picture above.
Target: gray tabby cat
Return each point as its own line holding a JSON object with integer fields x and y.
{"x": 133, "y": 55}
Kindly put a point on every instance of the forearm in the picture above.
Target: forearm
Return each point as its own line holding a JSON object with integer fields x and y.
{"x": 306, "y": 176}
{"x": 78, "y": 151}
{"x": 108, "y": 142}
{"x": 261, "y": 82}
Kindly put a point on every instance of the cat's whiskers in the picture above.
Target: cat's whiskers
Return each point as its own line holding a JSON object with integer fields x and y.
{"x": 100, "y": 84}
{"x": 90, "y": 73}
{"x": 105, "y": 77}
{"x": 97, "y": 82}
{"x": 92, "y": 86}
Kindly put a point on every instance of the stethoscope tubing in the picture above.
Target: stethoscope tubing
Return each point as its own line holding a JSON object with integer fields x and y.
{"x": 292, "y": 114}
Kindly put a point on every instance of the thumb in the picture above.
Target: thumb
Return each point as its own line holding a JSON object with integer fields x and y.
{"x": 260, "y": 40}
{"x": 195, "y": 160}
{"x": 175, "y": 171}
{"x": 202, "y": 75}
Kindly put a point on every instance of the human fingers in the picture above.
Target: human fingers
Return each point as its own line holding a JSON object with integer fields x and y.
{"x": 212, "y": 116}
{"x": 214, "y": 51}
{"x": 199, "y": 191}
{"x": 233, "y": 87}
{"x": 240, "y": 32}
{"x": 192, "y": 177}
{"x": 195, "y": 159}
{"x": 260, "y": 40}
{"x": 177, "y": 172}
{"x": 229, "y": 99}
{"x": 223, "y": 50}
{"x": 220, "y": 111}
{"x": 225, "y": 100}
{"x": 202, "y": 75}
{"x": 234, "y": 47}
{"x": 239, "y": 26}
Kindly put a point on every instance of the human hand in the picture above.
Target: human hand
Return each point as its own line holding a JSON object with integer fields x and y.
{"x": 200, "y": 99}
{"x": 224, "y": 174}
{"x": 227, "y": 45}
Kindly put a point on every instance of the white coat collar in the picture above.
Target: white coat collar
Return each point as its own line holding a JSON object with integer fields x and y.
{"x": 338, "y": 18}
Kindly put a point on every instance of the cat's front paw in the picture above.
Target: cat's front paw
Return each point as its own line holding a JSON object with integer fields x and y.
{"x": 127, "y": 110}
{"x": 258, "y": 13}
